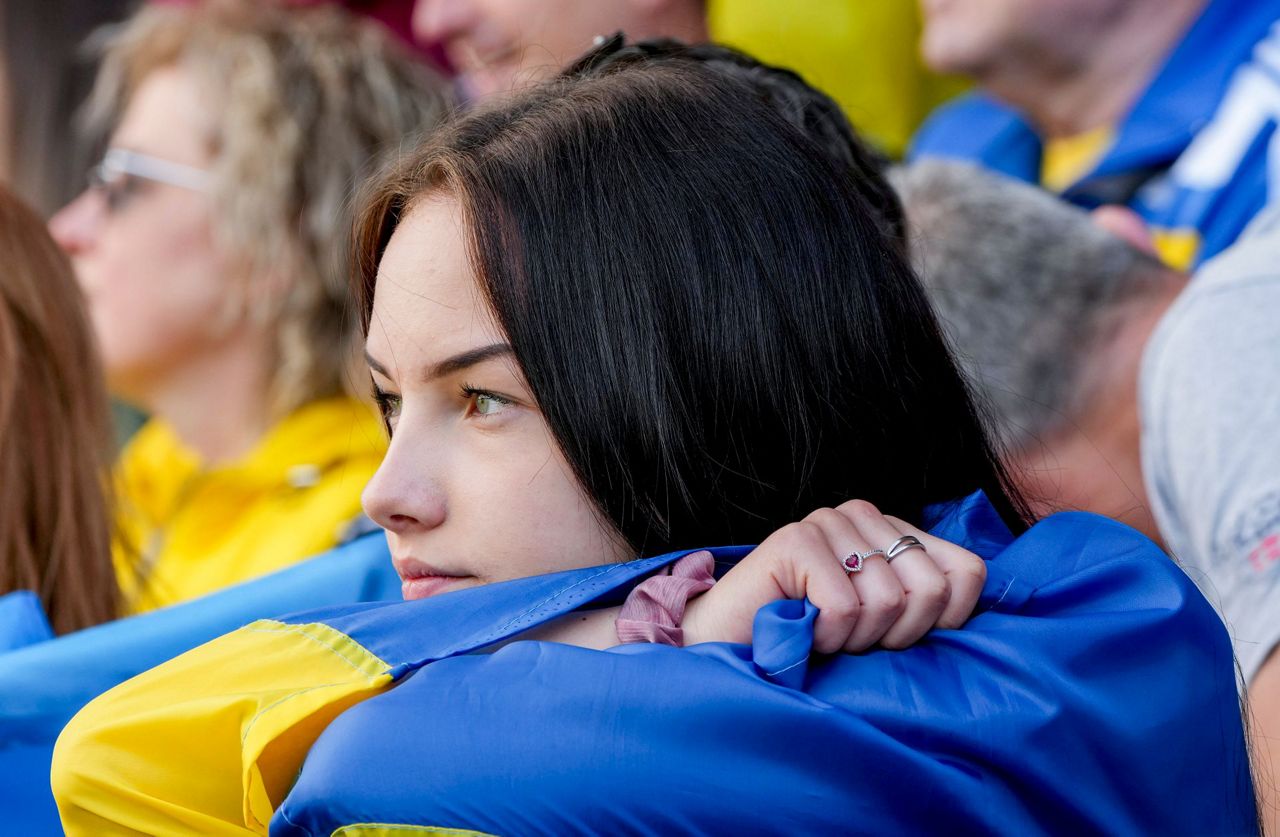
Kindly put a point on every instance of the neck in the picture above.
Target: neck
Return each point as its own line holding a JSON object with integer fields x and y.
{"x": 218, "y": 405}
{"x": 1094, "y": 463}
{"x": 1093, "y": 466}
{"x": 1066, "y": 94}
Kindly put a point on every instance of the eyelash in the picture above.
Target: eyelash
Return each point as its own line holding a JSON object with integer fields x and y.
{"x": 470, "y": 393}
{"x": 386, "y": 404}
{"x": 389, "y": 403}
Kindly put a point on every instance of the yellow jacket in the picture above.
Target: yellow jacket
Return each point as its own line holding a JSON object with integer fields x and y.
{"x": 186, "y": 530}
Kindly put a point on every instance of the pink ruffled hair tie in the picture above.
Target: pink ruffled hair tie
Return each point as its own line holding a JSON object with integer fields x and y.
{"x": 654, "y": 609}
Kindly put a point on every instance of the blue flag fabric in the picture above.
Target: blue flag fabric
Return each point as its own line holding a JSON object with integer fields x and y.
{"x": 23, "y": 621}
{"x": 1093, "y": 692}
{"x": 43, "y": 685}
{"x": 1192, "y": 154}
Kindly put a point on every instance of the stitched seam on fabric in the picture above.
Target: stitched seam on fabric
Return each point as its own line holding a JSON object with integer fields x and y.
{"x": 1007, "y": 587}
{"x": 325, "y": 643}
{"x": 558, "y": 594}
{"x": 244, "y": 737}
{"x": 788, "y": 668}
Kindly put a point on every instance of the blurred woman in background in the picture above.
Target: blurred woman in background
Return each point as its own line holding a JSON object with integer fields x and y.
{"x": 55, "y": 440}
{"x": 212, "y": 246}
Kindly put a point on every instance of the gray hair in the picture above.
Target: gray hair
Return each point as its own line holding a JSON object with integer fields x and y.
{"x": 1026, "y": 286}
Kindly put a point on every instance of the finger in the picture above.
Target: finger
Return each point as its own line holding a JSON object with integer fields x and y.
{"x": 879, "y": 591}
{"x": 966, "y": 574}
{"x": 825, "y": 583}
{"x": 882, "y": 599}
{"x": 925, "y": 587}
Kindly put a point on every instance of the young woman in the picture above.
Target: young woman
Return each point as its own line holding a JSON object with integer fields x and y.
{"x": 55, "y": 438}
{"x": 636, "y": 312}
{"x": 212, "y": 248}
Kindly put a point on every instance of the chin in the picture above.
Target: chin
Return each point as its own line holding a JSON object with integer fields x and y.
{"x": 950, "y": 55}
{"x": 478, "y": 85}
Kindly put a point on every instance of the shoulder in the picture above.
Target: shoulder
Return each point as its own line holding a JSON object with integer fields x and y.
{"x": 152, "y": 460}
{"x": 1211, "y": 363}
{"x": 212, "y": 757}
{"x": 979, "y": 128}
{"x": 1076, "y": 565}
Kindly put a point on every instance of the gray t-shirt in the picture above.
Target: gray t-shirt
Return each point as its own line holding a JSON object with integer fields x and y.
{"x": 1209, "y": 395}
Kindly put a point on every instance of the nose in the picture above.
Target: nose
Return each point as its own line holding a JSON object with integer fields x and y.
{"x": 75, "y": 226}
{"x": 437, "y": 21}
{"x": 403, "y": 497}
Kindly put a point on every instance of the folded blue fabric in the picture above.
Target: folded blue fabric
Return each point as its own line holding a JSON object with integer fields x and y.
{"x": 1094, "y": 692}
{"x": 22, "y": 620}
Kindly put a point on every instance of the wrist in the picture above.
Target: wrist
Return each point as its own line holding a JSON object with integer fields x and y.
{"x": 655, "y": 610}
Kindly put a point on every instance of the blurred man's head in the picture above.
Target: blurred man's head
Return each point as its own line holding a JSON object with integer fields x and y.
{"x": 1053, "y": 58}
{"x": 973, "y": 36}
{"x": 1049, "y": 314}
{"x": 501, "y": 45}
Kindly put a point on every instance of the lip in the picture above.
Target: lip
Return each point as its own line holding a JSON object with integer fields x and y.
{"x": 419, "y": 580}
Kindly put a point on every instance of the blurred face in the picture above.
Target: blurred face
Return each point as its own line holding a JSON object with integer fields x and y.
{"x": 473, "y": 488}
{"x": 979, "y": 37}
{"x": 501, "y": 45}
{"x": 144, "y": 251}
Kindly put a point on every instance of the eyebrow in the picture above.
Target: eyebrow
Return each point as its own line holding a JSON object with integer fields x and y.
{"x": 450, "y": 365}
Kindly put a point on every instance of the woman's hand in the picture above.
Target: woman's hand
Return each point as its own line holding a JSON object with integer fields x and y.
{"x": 892, "y": 604}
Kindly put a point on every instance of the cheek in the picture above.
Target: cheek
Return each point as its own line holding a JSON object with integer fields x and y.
{"x": 151, "y": 293}
{"x": 538, "y": 519}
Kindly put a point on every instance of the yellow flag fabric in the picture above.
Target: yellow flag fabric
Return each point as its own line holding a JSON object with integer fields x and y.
{"x": 147, "y": 759}
{"x": 863, "y": 53}
{"x": 187, "y": 530}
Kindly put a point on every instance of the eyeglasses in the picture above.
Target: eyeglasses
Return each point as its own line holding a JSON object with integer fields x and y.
{"x": 117, "y": 175}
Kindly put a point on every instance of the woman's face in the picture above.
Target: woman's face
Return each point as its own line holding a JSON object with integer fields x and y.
{"x": 144, "y": 251}
{"x": 473, "y": 489}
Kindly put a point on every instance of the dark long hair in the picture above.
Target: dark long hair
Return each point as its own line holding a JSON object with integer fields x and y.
{"x": 718, "y": 333}
{"x": 816, "y": 114}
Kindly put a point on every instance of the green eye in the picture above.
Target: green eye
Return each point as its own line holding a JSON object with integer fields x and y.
{"x": 482, "y": 402}
{"x": 487, "y": 405}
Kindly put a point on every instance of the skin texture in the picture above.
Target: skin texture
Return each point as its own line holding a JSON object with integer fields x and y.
{"x": 501, "y": 45}
{"x": 1264, "y": 731}
{"x": 1070, "y": 65}
{"x": 474, "y": 489}
{"x": 459, "y": 464}
{"x": 1093, "y": 462}
{"x": 162, "y": 304}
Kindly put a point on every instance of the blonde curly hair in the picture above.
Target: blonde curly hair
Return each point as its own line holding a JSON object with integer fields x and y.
{"x": 306, "y": 103}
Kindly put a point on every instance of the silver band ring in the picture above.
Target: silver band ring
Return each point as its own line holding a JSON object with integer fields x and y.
{"x": 854, "y": 560}
{"x": 901, "y": 545}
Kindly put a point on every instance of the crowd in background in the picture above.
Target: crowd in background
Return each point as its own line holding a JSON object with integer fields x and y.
{"x": 749, "y": 261}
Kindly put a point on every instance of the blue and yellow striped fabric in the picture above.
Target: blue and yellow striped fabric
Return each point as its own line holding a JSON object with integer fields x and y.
{"x": 43, "y": 685}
